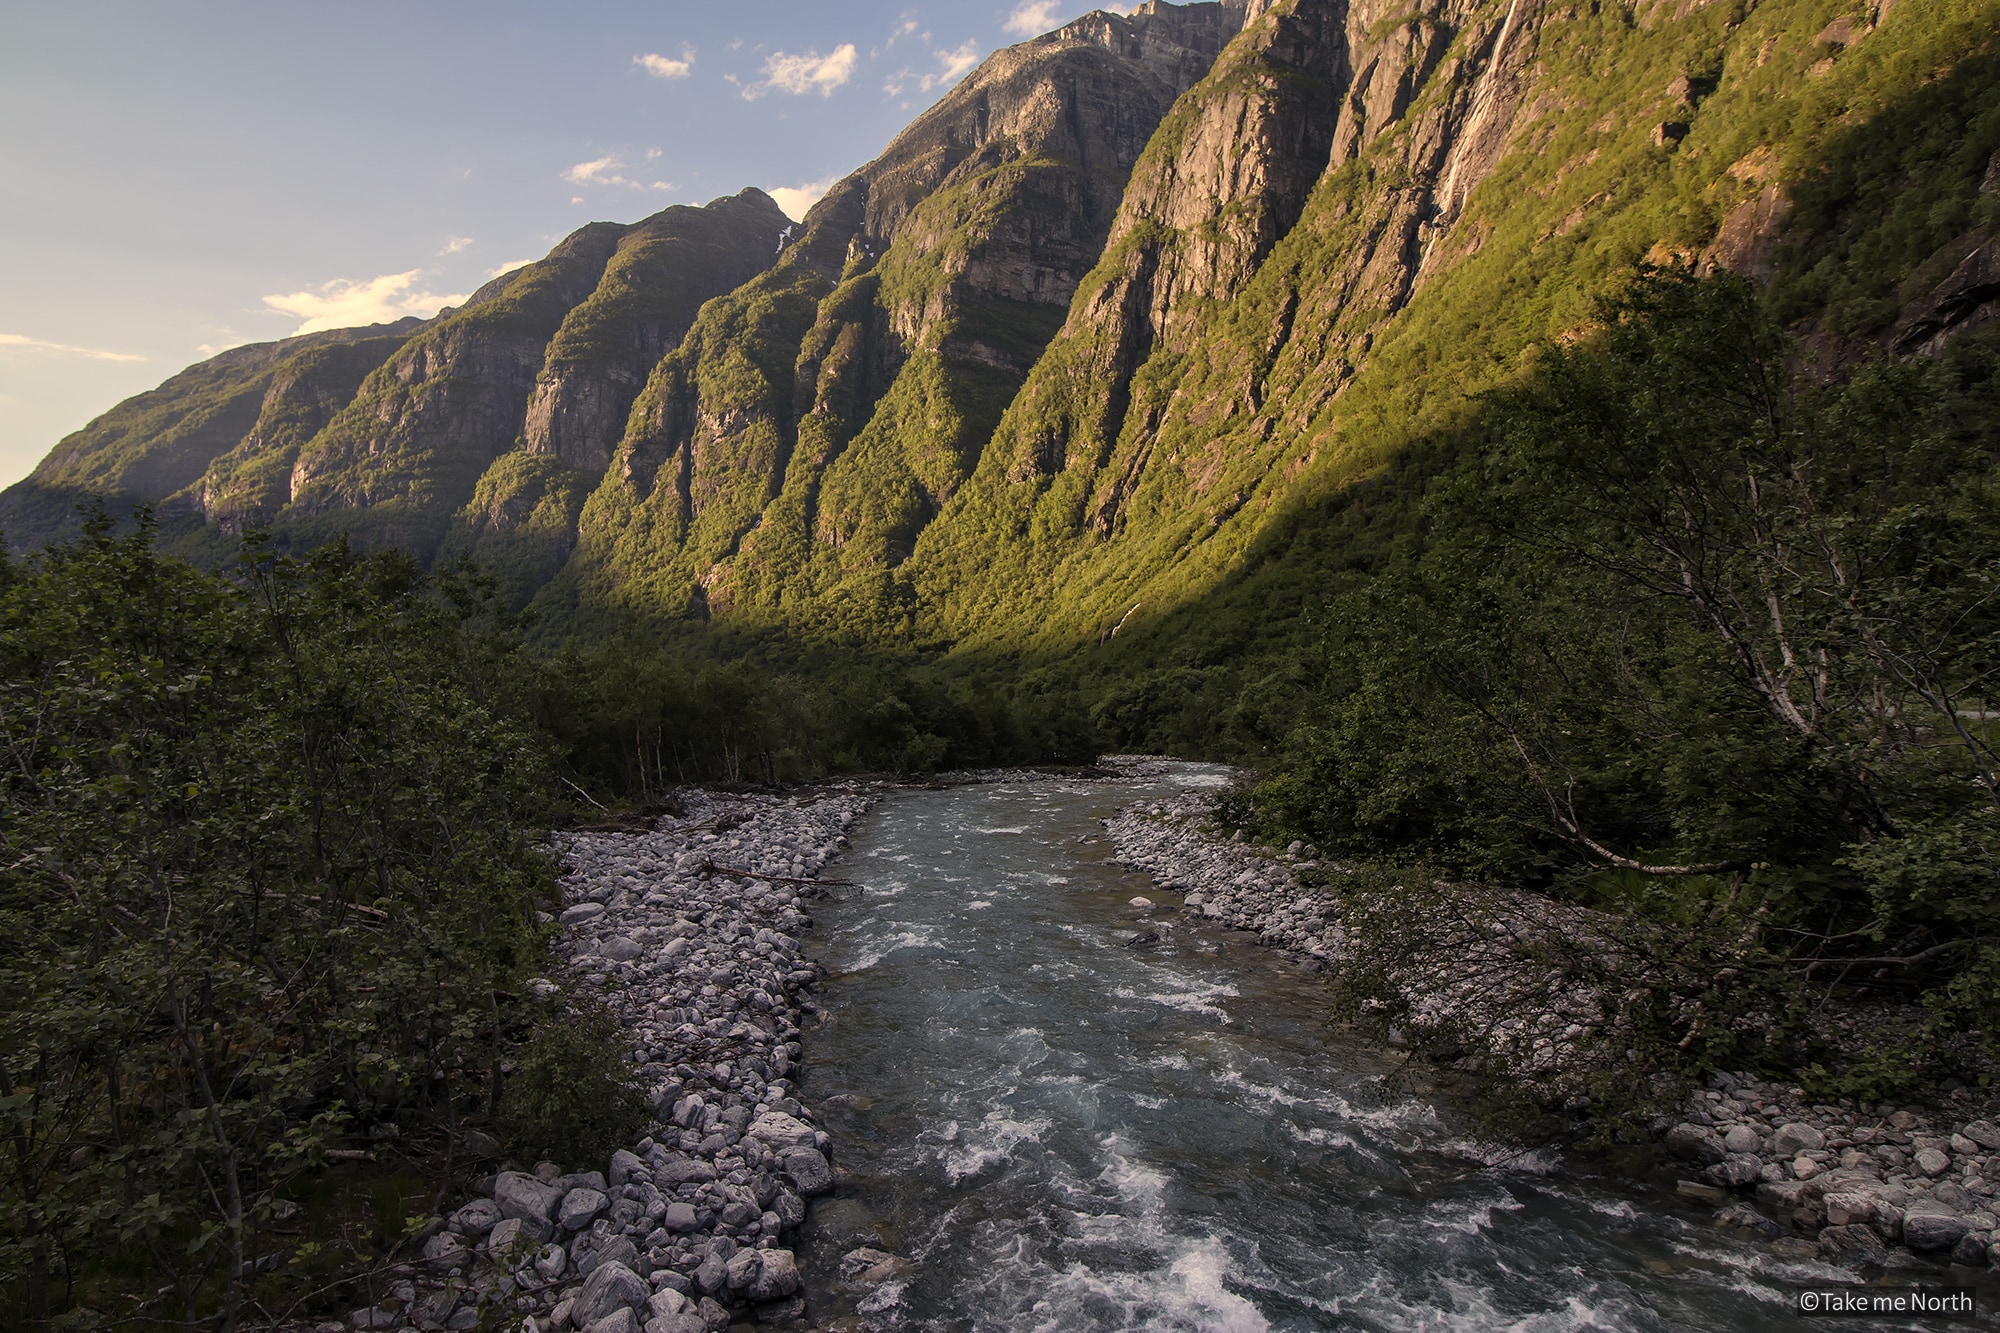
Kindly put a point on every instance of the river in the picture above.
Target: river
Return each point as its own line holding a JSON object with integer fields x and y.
{"x": 1067, "y": 1133}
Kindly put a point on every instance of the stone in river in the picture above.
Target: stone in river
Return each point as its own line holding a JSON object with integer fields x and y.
{"x": 1793, "y": 1139}
{"x": 618, "y": 1321}
{"x": 1695, "y": 1142}
{"x": 620, "y": 949}
{"x": 777, "y": 1275}
{"x": 1852, "y": 1246}
{"x": 680, "y": 1217}
{"x": 579, "y": 1208}
{"x": 1971, "y": 1251}
{"x": 1738, "y": 1168}
{"x": 1844, "y": 1209}
{"x": 809, "y": 1170}
{"x": 1927, "y": 1226}
{"x": 1744, "y": 1216}
{"x": 524, "y": 1196}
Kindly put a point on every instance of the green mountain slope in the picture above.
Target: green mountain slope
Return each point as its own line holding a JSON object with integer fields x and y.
{"x": 1540, "y": 151}
{"x": 1107, "y": 328}
{"x": 785, "y": 458}
{"x": 159, "y": 443}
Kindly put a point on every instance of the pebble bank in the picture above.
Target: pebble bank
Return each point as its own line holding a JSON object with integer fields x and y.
{"x": 690, "y": 934}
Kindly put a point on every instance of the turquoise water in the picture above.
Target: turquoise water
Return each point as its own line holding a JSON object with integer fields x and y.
{"x": 1067, "y": 1133}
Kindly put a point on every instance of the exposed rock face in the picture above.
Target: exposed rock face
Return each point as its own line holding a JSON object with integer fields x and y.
{"x": 427, "y": 424}
{"x": 869, "y": 365}
{"x": 662, "y": 271}
{"x": 158, "y": 444}
{"x": 1126, "y": 296}
{"x": 248, "y": 485}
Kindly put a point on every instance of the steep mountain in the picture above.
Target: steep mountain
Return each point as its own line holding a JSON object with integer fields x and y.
{"x": 785, "y": 458}
{"x": 390, "y": 439}
{"x": 1109, "y": 334}
{"x": 1492, "y": 165}
{"x": 161, "y": 442}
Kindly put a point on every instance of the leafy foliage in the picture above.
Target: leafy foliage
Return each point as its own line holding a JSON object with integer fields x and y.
{"x": 1689, "y": 633}
{"x": 265, "y": 876}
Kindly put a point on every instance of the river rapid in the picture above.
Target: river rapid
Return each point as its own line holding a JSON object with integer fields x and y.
{"x": 1064, "y": 1132}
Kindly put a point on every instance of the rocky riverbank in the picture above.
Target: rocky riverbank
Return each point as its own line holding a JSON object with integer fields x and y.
{"x": 1877, "y": 1186}
{"x": 689, "y": 933}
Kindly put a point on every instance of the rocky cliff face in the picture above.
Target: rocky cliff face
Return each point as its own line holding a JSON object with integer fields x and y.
{"x": 152, "y": 448}
{"x": 815, "y": 420}
{"x": 653, "y": 285}
{"x": 247, "y": 486}
{"x": 1267, "y": 322}
{"x": 1093, "y": 325}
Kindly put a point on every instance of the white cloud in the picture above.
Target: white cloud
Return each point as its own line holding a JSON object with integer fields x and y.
{"x": 951, "y": 64}
{"x": 508, "y": 267}
{"x": 796, "y": 201}
{"x": 1032, "y": 18}
{"x": 600, "y": 171}
{"x": 606, "y": 171}
{"x": 666, "y": 67}
{"x": 904, "y": 29}
{"x": 808, "y": 73}
{"x": 27, "y": 344}
{"x": 454, "y": 244}
{"x": 342, "y": 304}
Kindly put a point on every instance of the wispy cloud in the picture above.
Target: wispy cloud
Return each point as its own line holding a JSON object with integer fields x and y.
{"x": 808, "y": 73}
{"x": 951, "y": 64}
{"x": 797, "y": 200}
{"x": 343, "y": 304}
{"x": 27, "y": 344}
{"x": 454, "y": 244}
{"x": 667, "y": 67}
{"x": 508, "y": 267}
{"x": 1032, "y": 18}
{"x": 606, "y": 171}
{"x": 599, "y": 171}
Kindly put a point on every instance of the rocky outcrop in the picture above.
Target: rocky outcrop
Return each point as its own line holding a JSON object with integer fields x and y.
{"x": 247, "y": 486}
{"x": 868, "y": 367}
{"x": 1967, "y": 299}
{"x": 655, "y": 282}
{"x": 407, "y": 452}
{"x": 158, "y": 445}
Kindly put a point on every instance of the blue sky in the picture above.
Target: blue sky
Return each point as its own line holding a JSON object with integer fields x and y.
{"x": 178, "y": 176}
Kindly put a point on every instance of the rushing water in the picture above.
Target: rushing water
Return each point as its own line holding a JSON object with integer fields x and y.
{"x": 1067, "y": 1133}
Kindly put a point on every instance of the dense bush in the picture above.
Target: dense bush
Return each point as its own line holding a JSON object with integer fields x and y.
{"x": 264, "y": 874}
{"x": 1697, "y": 631}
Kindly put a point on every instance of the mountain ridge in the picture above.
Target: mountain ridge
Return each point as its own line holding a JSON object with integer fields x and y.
{"x": 1064, "y": 354}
